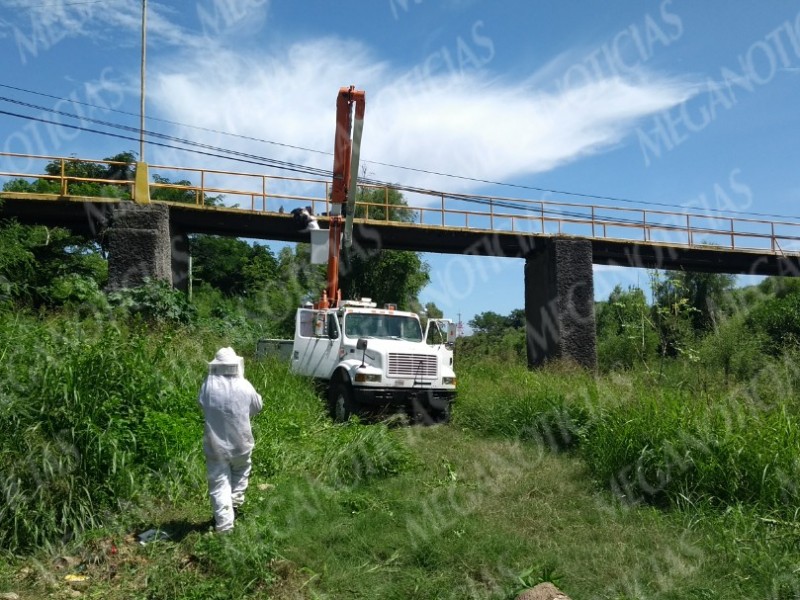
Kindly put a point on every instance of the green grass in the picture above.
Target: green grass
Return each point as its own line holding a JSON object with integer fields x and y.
{"x": 468, "y": 517}
{"x": 621, "y": 486}
{"x": 664, "y": 440}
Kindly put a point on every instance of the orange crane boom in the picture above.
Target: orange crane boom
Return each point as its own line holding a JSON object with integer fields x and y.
{"x": 346, "y": 149}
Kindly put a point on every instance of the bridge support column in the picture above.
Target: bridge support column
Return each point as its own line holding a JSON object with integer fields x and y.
{"x": 179, "y": 243}
{"x": 559, "y": 303}
{"x": 139, "y": 245}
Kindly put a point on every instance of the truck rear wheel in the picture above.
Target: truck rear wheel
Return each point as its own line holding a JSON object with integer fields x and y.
{"x": 341, "y": 401}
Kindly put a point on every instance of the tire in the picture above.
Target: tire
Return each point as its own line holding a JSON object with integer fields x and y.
{"x": 424, "y": 412}
{"x": 341, "y": 402}
{"x": 427, "y": 412}
{"x": 419, "y": 412}
{"x": 441, "y": 415}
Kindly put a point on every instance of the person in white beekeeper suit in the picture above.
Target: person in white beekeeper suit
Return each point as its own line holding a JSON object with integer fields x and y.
{"x": 228, "y": 401}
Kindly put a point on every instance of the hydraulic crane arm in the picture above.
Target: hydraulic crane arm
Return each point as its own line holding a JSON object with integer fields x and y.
{"x": 346, "y": 151}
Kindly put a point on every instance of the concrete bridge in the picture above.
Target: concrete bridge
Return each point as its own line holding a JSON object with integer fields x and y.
{"x": 558, "y": 241}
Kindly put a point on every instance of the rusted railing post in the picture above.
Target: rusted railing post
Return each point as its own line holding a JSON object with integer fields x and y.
{"x": 733, "y": 240}
{"x": 772, "y": 237}
{"x": 644, "y": 225}
{"x": 689, "y": 231}
{"x": 63, "y": 177}
{"x": 541, "y": 206}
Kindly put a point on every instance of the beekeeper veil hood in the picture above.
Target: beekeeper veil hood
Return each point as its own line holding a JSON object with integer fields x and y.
{"x": 226, "y": 362}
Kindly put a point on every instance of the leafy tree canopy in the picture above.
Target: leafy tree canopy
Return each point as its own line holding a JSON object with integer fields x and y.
{"x": 376, "y": 203}
{"x": 388, "y": 276}
{"x": 493, "y": 324}
{"x": 232, "y": 265}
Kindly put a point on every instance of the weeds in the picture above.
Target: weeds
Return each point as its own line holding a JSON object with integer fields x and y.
{"x": 663, "y": 444}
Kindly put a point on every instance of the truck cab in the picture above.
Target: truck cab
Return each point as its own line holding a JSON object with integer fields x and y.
{"x": 375, "y": 357}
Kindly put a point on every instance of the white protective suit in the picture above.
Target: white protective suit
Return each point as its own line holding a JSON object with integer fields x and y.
{"x": 228, "y": 401}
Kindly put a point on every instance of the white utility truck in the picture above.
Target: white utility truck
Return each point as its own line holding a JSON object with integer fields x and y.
{"x": 366, "y": 355}
{"x": 370, "y": 357}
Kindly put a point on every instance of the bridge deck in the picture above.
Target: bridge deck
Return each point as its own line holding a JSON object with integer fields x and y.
{"x": 432, "y": 221}
{"x": 90, "y": 215}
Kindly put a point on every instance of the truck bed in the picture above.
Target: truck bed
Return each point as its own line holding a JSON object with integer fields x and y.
{"x": 281, "y": 349}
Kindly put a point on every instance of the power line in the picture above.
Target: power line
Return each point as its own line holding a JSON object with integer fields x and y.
{"x": 177, "y": 123}
{"x": 260, "y": 161}
{"x": 312, "y": 170}
{"x": 274, "y": 162}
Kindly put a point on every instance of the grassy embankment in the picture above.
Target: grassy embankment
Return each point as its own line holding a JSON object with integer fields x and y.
{"x": 620, "y": 486}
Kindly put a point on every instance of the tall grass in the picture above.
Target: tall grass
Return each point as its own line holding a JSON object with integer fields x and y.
{"x": 93, "y": 415}
{"x": 296, "y": 436}
{"x": 667, "y": 440}
{"x": 90, "y": 414}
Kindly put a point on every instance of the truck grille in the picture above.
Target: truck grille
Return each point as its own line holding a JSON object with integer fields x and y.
{"x": 419, "y": 366}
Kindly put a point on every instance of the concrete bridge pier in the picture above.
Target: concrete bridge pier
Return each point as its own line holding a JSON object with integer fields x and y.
{"x": 138, "y": 245}
{"x": 559, "y": 303}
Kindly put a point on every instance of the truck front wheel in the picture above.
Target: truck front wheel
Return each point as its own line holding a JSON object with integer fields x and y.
{"x": 341, "y": 401}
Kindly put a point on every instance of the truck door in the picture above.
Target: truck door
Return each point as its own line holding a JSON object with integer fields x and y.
{"x": 317, "y": 340}
{"x": 439, "y": 331}
{"x": 441, "y": 334}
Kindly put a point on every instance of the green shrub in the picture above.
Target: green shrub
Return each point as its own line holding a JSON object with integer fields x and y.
{"x": 733, "y": 349}
{"x": 779, "y": 319}
{"x": 155, "y": 300}
{"x": 80, "y": 293}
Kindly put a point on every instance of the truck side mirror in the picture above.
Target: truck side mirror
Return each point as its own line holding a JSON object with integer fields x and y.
{"x": 361, "y": 344}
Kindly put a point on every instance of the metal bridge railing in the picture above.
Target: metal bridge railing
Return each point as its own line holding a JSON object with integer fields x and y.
{"x": 52, "y": 177}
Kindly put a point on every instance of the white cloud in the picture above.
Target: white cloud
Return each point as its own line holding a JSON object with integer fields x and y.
{"x": 40, "y": 27}
{"x": 461, "y": 124}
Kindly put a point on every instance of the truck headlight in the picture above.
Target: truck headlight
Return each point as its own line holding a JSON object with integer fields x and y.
{"x": 448, "y": 380}
{"x": 366, "y": 377}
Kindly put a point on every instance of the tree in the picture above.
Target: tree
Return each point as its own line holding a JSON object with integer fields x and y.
{"x": 432, "y": 311}
{"x": 122, "y": 170}
{"x": 231, "y": 265}
{"x": 673, "y": 314}
{"x": 495, "y": 335}
{"x": 708, "y": 294}
{"x": 489, "y": 323}
{"x": 180, "y": 191}
{"x": 34, "y": 258}
{"x": 373, "y": 203}
{"x": 626, "y": 334}
{"x": 388, "y": 276}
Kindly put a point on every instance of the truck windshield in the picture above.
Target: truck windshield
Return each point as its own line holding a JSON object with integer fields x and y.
{"x": 358, "y": 325}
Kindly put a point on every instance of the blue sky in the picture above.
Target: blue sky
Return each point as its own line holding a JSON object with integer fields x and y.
{"x": 669, "y": 103}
